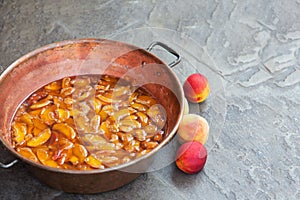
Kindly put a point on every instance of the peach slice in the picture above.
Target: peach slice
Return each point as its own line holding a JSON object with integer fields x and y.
{"x": 27, "y": 153}
{"x": 196, "y": 88}
{"x": 66, "y": 82}
{"x": 19, "y": 131}
{"x": 93, "y": 162}
{"x": 191, "y": 157}
{"x": 65, "y": 129}
{"x": 40, "y": 104}
{"x": 62, "y": 114}
{"x": 74, "y": 160}
{"x": 42, "y": 155}
{"x": 193, "y": 127}
{"x": 80, "y": 152}
{"x": 40, "y": 139}
{"x": 145, "y": 100}
{"x": 53, "y": 86}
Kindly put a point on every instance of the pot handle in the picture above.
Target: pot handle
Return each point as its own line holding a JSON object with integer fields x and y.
{"x": 5, "y": 166}
{"x": 168, "y": 49}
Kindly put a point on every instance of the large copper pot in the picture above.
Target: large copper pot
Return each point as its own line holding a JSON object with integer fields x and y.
{"x": 90, "y": 56}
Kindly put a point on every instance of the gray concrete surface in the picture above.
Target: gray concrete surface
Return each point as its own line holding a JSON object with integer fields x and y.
{"x": 254, "y": 47}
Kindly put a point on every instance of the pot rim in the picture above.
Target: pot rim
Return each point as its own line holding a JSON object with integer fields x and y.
{"x": 94, "y": 171}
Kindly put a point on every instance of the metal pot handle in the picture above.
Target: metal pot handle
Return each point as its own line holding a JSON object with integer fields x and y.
{"x": 167, "y": 48}
{"x": 5, "y": 166}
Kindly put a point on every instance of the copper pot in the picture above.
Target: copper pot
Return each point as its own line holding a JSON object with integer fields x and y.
{"x": 90, "y": 56}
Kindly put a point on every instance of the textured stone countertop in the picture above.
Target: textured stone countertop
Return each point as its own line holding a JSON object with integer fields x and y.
{"x": 250, "y": 51}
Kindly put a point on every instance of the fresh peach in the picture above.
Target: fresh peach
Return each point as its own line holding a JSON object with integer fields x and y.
{"x": 185, "y": 107}
{"x": 191, "y": 157}
{"x": 193, "y": 127}
{"x": 196, "y": 88}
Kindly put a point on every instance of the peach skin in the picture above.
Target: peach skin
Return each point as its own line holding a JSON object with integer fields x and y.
{"x": 191, "y": 157}
{"x": 193, "y": 127}
{"x": 196, "y": 88}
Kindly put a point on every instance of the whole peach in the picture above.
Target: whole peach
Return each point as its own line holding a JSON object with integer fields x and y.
{"x": 193, "y": 127}
{"x": 191, "y": 157}
{"x": 196, "y": 88}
